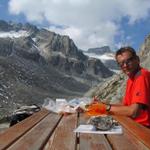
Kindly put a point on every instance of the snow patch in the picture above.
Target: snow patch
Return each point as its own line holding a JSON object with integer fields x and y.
{"x": 103, "y": 57}
{"x": 14, "y": 34}
{"x": 34, "y": 39}
{"x": 116, "y": 71}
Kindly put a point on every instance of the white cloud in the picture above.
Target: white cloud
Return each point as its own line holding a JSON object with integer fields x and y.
{"x": 136, "y": 9}
{"x": 90, "y": 23}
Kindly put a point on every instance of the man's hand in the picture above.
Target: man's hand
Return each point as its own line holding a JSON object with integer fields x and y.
{"x": 96, "y": 109}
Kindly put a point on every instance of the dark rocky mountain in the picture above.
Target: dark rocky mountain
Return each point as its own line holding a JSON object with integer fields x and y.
{"x": 37, "y": 63}
{"x": 112, "y": 89}
{"x": 12, "y": 26}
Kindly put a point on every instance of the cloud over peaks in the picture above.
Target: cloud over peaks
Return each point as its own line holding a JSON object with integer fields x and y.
{"x": 89, "y": 23}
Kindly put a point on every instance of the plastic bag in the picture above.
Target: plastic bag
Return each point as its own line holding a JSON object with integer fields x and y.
{"x": 63, "y": 106}
{"x": 49, "y": 104}
{"x": 59, "y": 106}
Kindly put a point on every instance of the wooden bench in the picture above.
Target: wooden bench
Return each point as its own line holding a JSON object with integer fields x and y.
{"x": 48, "y": 131}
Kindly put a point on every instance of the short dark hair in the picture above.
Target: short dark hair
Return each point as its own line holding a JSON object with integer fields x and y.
{"x": 126, "y": 49}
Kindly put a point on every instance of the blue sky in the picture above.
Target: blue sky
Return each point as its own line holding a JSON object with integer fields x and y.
{"x": 89, "y": 23}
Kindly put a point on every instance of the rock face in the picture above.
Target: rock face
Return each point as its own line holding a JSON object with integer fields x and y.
{"x": 112, "y": 89}
{"x": 37, "y": 63}
{"x": 145, "y": 53}
{"x": 61, "y": 52}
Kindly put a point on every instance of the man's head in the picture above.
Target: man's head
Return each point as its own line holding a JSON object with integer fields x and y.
{"x": 127, "y": 60}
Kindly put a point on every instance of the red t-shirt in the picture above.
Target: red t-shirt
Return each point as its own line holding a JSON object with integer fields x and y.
{"x": 138, "y": 91}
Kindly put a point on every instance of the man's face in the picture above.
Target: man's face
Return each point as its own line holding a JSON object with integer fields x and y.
{"x": 127, "y": 62}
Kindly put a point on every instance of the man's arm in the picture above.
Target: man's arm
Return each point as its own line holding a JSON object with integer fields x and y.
{"x": 131, "y": 111}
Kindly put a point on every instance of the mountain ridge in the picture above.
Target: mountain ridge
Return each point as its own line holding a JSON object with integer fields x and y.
{"x": 37, "y": 63}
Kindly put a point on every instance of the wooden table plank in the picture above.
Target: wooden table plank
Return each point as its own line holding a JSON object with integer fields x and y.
{"x": 16, "y": 131}
{"x": 140, "y": 132}
{"x": 64, "y": 138}
{"x": 36, "y": 138}
{"x": 125, "y": 141}
{"x": 92, "y": 141}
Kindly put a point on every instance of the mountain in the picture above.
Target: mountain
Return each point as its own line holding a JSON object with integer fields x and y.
{"x": 100, "y": 50}
{"x": 105, "y": 55}
{"x": 36, "y": 63}
{"x": 113, "y": 88}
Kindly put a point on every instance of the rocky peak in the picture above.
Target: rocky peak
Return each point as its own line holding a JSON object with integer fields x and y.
{"x": 12, "y": 26}
{"x": 100, "y": 50}
{"x": 51, "y": 42}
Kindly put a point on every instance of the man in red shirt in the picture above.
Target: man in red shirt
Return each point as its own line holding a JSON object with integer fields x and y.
{"x": 136, "y": 102}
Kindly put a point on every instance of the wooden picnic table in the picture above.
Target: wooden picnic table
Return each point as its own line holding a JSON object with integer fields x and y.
{"x": 49, "y": 131}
